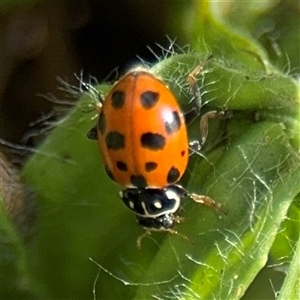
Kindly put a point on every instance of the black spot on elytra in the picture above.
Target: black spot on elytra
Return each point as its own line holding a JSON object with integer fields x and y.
{"x": 150, "y": 166}
{"x": 102, "y": 123}
{"x": 115, "y": 140}
{"x": 118, "y": 99}
{"x": 149, "y": 99}
{"x": 109, "y": 173}
{"x": 153, "y": 141}
{"x": 173, "y": 175}
{"x": 122, "y": 166}
{"x": 173, "y": 124}
{"x": 139, "y": 181}
{"x": 182, "y": 153}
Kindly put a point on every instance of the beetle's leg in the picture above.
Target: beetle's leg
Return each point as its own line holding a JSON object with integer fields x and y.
{"x": 92, "y": 133}
{"x": 214, "y": 114}
{"x": 141, "y": 237}
{"x": 170, "y": 230}
{"x": 207, "y": 201}
{"x": 192, "y": 81}
{"x": 195, "y": 112}
{"x": 194, "y": 147}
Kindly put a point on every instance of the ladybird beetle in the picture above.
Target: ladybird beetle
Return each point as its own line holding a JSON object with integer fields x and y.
{"x": 142, "y": 136}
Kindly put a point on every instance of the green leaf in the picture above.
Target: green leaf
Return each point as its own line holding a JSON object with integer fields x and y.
{"x": 288, "y": 235}
{"x": 291, "y": 285}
